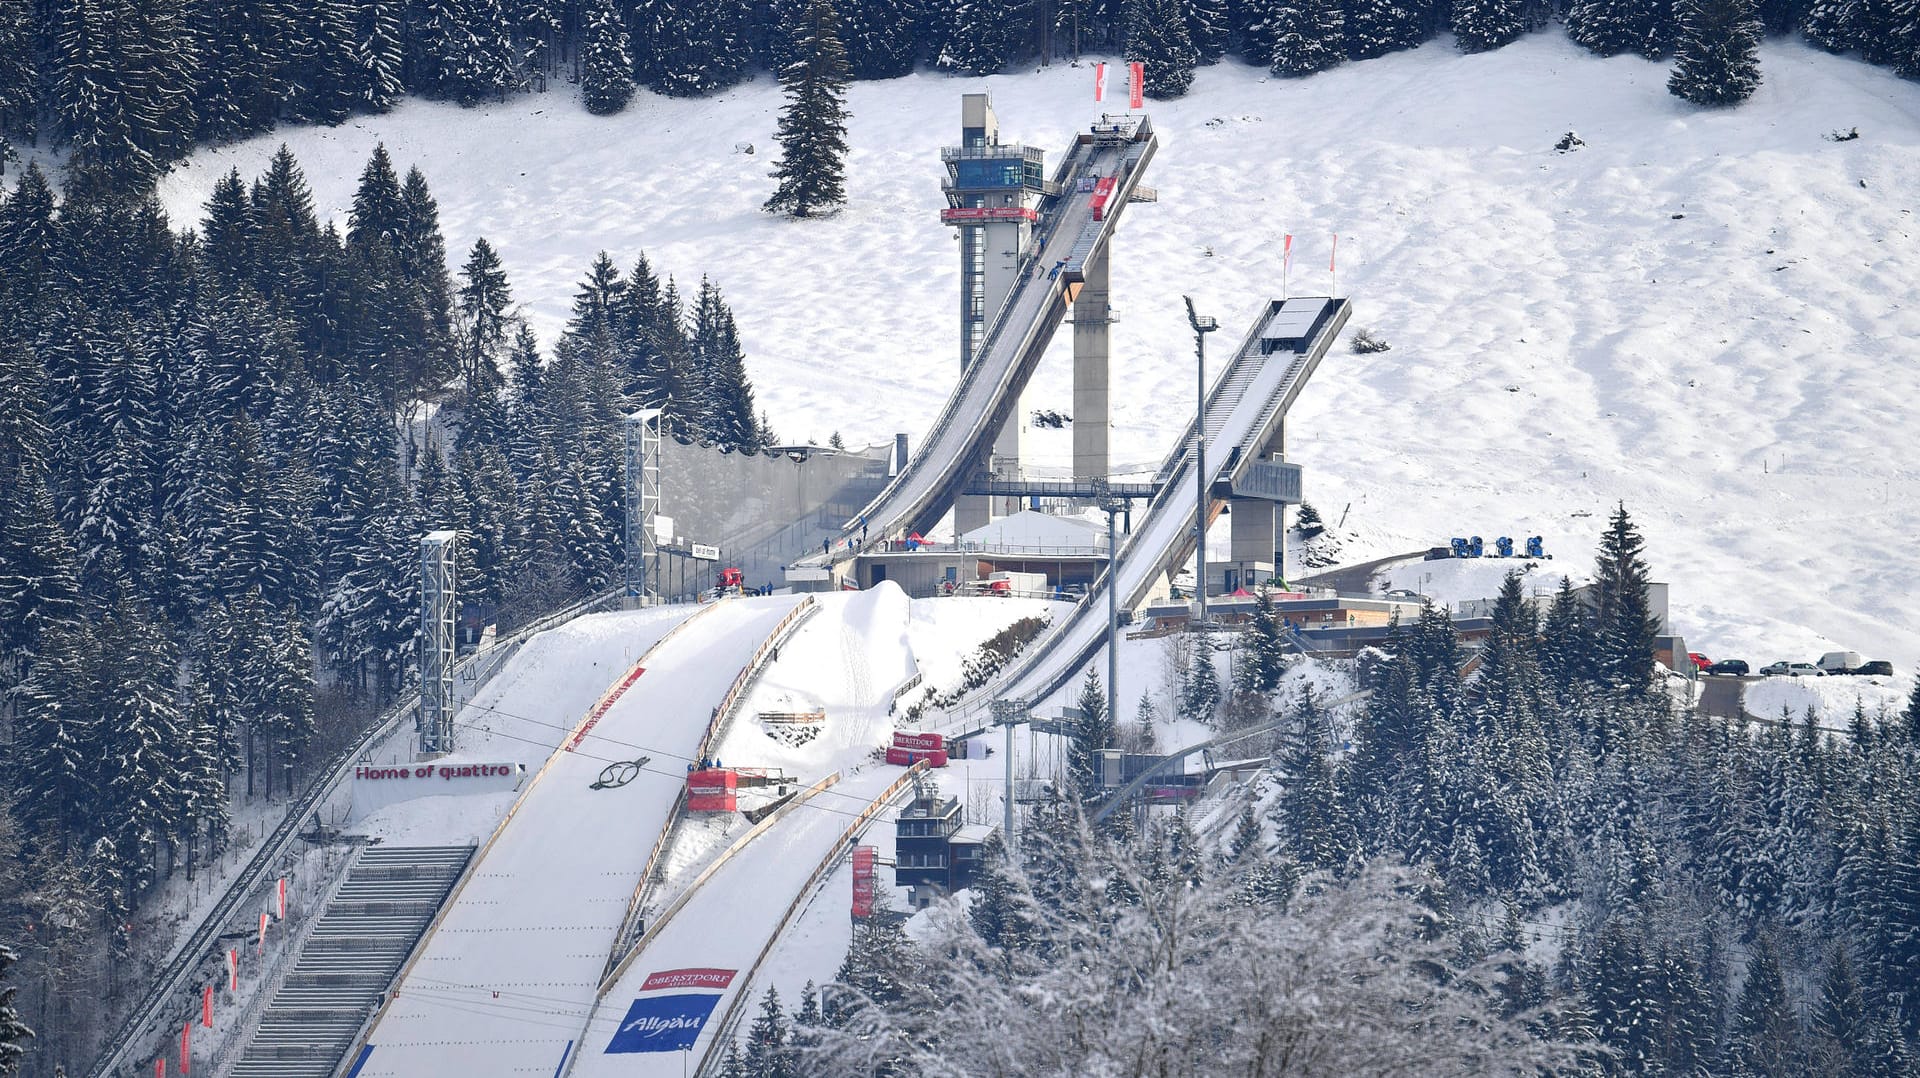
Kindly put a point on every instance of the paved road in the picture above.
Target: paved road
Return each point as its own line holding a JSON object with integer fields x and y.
{"x": 1354, "y": 579}
{"x": 1721, "y": 696}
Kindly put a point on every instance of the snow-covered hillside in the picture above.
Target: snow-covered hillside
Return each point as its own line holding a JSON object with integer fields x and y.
{"x": 1710, "y": 315}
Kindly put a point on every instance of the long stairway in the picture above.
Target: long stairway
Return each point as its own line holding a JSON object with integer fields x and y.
{"x": 350, "y": 960}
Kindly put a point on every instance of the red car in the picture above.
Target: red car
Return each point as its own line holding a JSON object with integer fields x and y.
{"x": 1700, "y": 662}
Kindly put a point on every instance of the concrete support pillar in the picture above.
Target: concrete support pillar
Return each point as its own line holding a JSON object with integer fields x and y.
{"x": 971, "y": 511}
{"x": 1255, "y": 532}
{"x": 1092, "y": 416}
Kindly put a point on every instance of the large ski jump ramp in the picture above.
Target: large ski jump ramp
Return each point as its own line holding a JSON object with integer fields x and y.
{"x": 989, "y": 389}
{"x": 506, "y": 979}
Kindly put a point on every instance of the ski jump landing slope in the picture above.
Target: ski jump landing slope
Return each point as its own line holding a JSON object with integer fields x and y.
{"x": 704, "y": 957}
{"x": 505, "y": 981}
{"x": 989, "y": 389}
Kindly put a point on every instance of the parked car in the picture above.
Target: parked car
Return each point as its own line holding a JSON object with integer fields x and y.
{"x": 1840, "y": 662}
{"x": 1737, "y": 667}
{"x": 1878, "y": 666}
{"x": 1787, "y": 669}
{"x": 1405, "y": 593}
{"x": 1700, "y": 662}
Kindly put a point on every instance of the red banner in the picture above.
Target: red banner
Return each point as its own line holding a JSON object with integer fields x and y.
{"x": 953, "y": 215}
{"x": 206, "y": 1006}
{"x": 1136, "y": 85}
{"x": 260, "y": 945}
{"x": 233, "y": 969}
{"x": 282, "y": 899}
{"x": 160, "y": 1067}
{"x": 600, "y": 708}
{"x": 918, "y": 742}
{"x": 688, "y": 978}
{"x": 186, "y": 1047}
{"x": 1099, "y": 82}
{"x": 904, "y": 758}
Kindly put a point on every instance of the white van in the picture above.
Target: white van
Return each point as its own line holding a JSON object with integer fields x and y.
{"x": 1840, "y": 662}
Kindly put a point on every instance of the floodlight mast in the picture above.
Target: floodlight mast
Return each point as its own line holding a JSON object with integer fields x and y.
{"x": 1202, "y": 325}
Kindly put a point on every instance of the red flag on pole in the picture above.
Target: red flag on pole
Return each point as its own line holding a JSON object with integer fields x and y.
{"x": 186, "y": 1047}
{"x": 1334, "y": 253}
{"x": 1136, "y": 85}
{"x": 206, "y": 1007}
{"x": 1286, "y": 252}
{"x": 233, "y": 969}
{"x": 1099, "y": 82}
{"x": 260, "y": 946}
{"x": 281, "y": 899}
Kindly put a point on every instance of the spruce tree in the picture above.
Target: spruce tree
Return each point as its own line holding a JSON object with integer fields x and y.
{"x": 1308, "y": 36}
{"x": 1093, "y": 734}
{"x": 1623, "y": 618}
{"x": 485, "y": 303}
{"x": 1611, "y": 27}
{"x": 976, "y": 36}
{"x": 379, "y": 55}
{"x": 606, "y": 79}
{"x": 1209, "y": 27}
{"x": 813, "y": 126}
{"x": 1765, "y": 1036}
{"x": 1200, "y": 689}
{"x": 1717, "y": 59}
{"x": 1157, "y": 38}
{"x": 1374, "y": 28}
{"x": 1485, "y": 25}
{"x": 14, "y": 1033}
{"x": 882, "y": 37}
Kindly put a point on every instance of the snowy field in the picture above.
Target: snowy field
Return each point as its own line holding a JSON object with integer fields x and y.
{"x": 1708, "y": 315}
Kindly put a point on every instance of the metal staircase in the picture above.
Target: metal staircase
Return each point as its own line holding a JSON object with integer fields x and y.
{"x": 350, "y": 959}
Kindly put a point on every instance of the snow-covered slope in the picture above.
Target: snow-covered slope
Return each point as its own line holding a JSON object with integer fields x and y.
{"x": 1707, "y": 314}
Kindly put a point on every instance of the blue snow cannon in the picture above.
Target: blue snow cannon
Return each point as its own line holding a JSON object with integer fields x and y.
{"x": 1459, "y": 547}
{"x": 1475, "y": 548}
{"x": 1503, "y": 546}
{"x": 1536, "y": 547}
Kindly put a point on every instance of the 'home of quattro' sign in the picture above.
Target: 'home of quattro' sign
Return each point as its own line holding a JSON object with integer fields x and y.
{"x": 427, "y": 771}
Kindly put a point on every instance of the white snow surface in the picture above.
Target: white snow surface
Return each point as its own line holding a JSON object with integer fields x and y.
{"x": 521, "y": 715}
{"x": 505, "y": 980}
{"x": 1832, "y": 699}
{"x": 1707, "y": 314}
{"x": 731, "y": 919}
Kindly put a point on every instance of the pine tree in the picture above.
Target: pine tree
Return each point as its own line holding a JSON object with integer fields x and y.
{"x": 1312, "y": 823}
{"x": 1717, "y": 59}
{"x": 1485, "y": 25}
{"x": 882, "y": 36}
{"x": 1611, "y": 27}
{"x": 1623, "y": 616}
{"x": 1157, "y": 39}
{"x": 813, "y": 126}
{"x": 19, "y": 75}
{"x": 723, "y": 406}
{"x": 14, "y": 1033}
{"x": 237, "y": 81}
{"x": 1209, "y": 27}
{"x": 1093, "y": 734}
{"x": 1765, "y": 1036}
{"x": 1308, "y": 36}
{"x": 976, "y": 37}
{"x": 379, "y": 55}
{"x": 485, "y": 305}
{"x": 606, "y": 80}
{"x": 1374, "y": 28}
{"x": 1200, "y": 690}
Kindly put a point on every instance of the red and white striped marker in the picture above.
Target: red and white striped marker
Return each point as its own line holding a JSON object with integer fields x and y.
{"x": 282, "y": 899}
{"x": 233, "y": 969}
